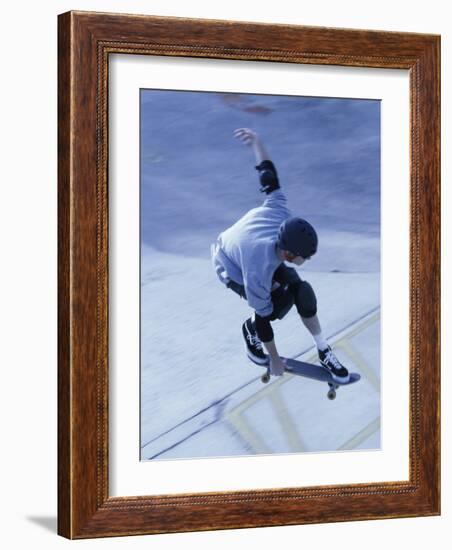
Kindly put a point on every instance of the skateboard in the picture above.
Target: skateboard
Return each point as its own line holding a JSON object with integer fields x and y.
{"x": 314, "y": 372}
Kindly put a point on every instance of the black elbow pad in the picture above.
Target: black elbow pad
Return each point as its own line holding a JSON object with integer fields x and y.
{"x": 268, "y": 176}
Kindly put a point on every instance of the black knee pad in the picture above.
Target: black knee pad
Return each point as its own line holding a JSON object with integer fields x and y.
{"x": 283, "y": 306}
{"x": 305, "y": 298}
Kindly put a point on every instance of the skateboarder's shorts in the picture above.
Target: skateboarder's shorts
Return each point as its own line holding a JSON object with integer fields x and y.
{"x": 289, "y": 290}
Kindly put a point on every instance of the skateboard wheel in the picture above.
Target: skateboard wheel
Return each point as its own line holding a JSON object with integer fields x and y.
{"x": 265, "y": 378}
{"x": 331, "y": 394}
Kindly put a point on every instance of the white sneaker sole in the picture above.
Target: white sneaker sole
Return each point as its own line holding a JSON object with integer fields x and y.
{"x": 257, "y": 360}
{"x": 343, "y": 380}
{"x": 338, "y": 379}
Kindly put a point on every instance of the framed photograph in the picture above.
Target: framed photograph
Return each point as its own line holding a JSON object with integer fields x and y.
{"x": 249, "y": 259}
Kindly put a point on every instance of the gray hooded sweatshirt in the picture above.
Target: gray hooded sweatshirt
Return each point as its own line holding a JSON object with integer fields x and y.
{"x": 246, "y": 251}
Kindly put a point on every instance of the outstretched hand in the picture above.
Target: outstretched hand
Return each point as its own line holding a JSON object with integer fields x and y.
{"x": 250, "y": 138}
{"x": 246, "y": 135}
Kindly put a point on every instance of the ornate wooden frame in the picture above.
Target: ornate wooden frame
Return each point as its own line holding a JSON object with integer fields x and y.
{"x": 85, "y": 42}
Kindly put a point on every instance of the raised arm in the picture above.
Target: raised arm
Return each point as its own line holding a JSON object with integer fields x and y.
{"x": 267, "y": 171}
{"x": 249, "y": 137}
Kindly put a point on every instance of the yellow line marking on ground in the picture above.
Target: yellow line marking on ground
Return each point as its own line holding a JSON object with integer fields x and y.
{"x": 272, "y": 391}
{"x": 248, "y": 433}
{"x": 360, "y": 362}
{"x": 362, "y": 326}
{"x": 236, "y": 416}
{"x": 286, "y": 422}
{"x": 361, "y": 436}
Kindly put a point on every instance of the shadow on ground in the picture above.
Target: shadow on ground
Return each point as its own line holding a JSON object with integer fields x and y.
{"x": 49, "y": 523}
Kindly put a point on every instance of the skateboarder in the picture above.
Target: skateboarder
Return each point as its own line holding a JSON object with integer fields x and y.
{"x": 249, "y": 257}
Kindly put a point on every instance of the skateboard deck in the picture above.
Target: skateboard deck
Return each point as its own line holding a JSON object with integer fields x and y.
{"x": 314, "y": 372}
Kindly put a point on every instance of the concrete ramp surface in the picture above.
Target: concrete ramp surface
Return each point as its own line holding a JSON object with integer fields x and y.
{"x": 205, "y": 398}
{"x": 200, "y": 395}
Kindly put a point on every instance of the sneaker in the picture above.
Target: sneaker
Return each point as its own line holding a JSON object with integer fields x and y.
{"x": 328, "y": 360}
{"x": 254, "y": 347}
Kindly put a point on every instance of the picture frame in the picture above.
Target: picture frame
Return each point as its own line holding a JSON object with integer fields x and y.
{"x": 85, "y": 42}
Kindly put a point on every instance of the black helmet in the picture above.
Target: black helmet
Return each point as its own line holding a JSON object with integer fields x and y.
{"x": 298, "y": 237}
